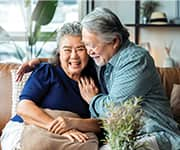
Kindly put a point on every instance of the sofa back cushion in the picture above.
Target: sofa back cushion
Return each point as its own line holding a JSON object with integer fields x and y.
{"x": 169, "y": 76}
{"x": 5, "y": 92}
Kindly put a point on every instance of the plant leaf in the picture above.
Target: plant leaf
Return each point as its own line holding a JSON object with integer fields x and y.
{"x": 46, "y": 38}
{"x": 44, "y": 11}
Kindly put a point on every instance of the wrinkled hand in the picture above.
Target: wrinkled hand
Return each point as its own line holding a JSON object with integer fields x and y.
{"x": 76, "y": 135}
{"x": 25, "y": 68}
{"x": 88, "y": 89}
{"x": 60, "y": 125}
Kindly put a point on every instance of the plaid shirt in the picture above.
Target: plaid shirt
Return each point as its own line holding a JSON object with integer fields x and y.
{"x": 131, "y": 72}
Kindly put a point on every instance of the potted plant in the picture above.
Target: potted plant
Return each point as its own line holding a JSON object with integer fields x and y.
{"x": 147, "y": 8}
{"x": 123, "y": 124}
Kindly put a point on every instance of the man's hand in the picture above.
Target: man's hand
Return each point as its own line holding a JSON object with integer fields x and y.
{"x": 76, "y": 135}
{"x": 88, "y": 89}
{"x": 26, "y": 67}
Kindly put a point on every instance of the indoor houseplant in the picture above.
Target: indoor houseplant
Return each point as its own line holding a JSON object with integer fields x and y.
{"x": 122, "y": 125}
{"x": 147, "y": 8}
{"x": 42, "y": 15}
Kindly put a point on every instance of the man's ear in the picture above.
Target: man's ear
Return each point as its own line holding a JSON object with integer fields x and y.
{"x": 116, "y": 42}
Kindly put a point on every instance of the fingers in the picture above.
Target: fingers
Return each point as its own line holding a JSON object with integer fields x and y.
{"x": 60, "y": 125}
{"x": 80, "y": 137}
{"x": 20, "y": 72}
{"x": 87, "y": 84}
{"x": 57, "y": 127}
{"x": 87, "y": 88}
{"x": 76, "y": 135}
{"x": 83, "y": 81}
{"x": 69, "y": 137}
{"x": 19, "y": 76}
{"x": 26, "y": 67}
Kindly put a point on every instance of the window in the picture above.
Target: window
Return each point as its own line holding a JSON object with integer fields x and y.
{"x": 14, "y": 16}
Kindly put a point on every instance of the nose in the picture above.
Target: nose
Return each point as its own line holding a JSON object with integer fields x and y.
{"x": 90, "y": 51}
{"x": 74, "y": 53}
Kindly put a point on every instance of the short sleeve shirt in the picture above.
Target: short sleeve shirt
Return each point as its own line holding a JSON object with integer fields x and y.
{"x": 49, "y": 87}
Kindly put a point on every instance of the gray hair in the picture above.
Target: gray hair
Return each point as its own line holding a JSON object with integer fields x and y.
{"x": 106, "y": 24}
{"x": 73, "y": 28}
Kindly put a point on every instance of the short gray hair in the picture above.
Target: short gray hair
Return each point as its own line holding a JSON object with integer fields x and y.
{"x": 106, "y": 24}
{"x": 73, "y": 28}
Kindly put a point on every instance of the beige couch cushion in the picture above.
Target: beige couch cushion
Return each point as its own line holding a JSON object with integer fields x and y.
{"x": 16, "y": 89}
{"x": 175, "y": 101}
{"x": 5, "y": 92}
{"x": 42, "y": 139}
{"x": 169, "y": 76}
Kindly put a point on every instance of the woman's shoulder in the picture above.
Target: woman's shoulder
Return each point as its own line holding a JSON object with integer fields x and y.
{"x": 45, "y": 66}
{"x": 45, "y": 69}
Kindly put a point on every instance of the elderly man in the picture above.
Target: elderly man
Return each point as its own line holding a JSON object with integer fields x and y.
{"x": 127, "y": 70}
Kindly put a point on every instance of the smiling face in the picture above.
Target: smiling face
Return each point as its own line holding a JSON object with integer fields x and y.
{"x": 100, "y": 51}
{"x": 73, "y": 55}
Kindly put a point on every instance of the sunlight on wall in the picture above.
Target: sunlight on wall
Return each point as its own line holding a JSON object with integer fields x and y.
{"x": 158, "y": 37}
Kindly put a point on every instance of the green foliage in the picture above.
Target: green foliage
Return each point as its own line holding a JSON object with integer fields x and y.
{"x": 41, "y": 15}
{"x": 123, "y": 124}
{"x": 148, "y": 7}
{"x": 7, "y": 41}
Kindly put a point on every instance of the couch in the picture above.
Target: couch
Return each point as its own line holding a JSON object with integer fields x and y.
{"x": 168, "y": 76}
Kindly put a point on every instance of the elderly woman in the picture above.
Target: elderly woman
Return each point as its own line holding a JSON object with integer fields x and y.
{"x": 55, "y": 87}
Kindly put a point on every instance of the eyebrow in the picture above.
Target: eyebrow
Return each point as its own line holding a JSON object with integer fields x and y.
{"x": 66, "y": 46}
{"x": 82, "y": 45}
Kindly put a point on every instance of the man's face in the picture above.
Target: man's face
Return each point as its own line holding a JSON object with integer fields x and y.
{"x": 100, "y": 51}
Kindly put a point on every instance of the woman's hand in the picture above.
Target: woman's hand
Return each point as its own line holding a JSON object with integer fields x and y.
{"x": 26, "y": 67}
{"x": 88, "y": 89}
{"x": 60, "y": 125}
{"x": 75, "y": 135}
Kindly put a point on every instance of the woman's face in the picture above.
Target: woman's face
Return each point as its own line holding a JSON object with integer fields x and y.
{"x": 73, "y": 55}
{"x": 100, "y": 51}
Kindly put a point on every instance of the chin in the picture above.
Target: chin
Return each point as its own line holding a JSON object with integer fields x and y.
{"x": 76, "y": 71}
{"x": 99, "y": 63}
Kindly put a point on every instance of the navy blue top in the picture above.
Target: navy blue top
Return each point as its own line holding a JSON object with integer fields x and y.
{"x": 49, "y": 87}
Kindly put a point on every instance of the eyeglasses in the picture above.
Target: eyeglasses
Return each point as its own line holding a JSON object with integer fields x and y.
{"x": 96, "y": 46}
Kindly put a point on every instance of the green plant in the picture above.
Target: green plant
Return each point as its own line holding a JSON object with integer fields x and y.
{"x": 41, "y": 16}
{"x": 148, "y": 7}
{"x": 123, "y": 124}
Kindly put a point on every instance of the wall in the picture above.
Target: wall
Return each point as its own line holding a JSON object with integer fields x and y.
{"x": 161, "y": 36}
{"x": 157, "y": 37}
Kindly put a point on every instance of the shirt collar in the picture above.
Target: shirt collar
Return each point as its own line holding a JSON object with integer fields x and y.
{"x": 113, "y": 60}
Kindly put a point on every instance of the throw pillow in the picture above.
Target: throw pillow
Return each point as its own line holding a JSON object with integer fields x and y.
{"x": 16, "y": 89}
{"x": 175, "y": 101}
{"x": 34, "y": 137}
